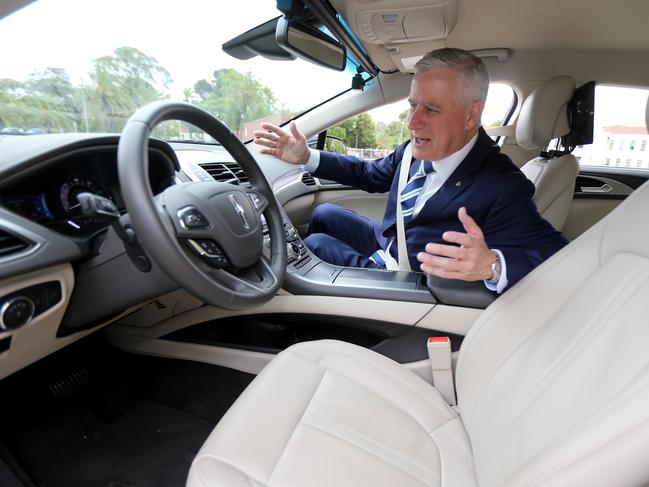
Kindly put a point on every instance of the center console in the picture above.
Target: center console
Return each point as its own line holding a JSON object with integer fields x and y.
{"x": 307, "y": 274}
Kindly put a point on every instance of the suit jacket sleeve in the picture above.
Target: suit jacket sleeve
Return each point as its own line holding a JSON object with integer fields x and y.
{"x": 373, "y": 176}
{"x": 515, "y": 227}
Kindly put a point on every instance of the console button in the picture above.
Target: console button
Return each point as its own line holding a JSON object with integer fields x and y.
{"x": 292, "y": 251}
{"x": 300, "y": 263}
{"x": 16, "y": 312}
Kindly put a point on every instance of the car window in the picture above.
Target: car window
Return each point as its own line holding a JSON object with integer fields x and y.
{"x": 500, "y": 105}
{"x": 620, "y": 138}
{"x": 377, "y": 132}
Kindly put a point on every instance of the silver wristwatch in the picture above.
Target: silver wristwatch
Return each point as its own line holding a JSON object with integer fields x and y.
{"x": 496, "y": 269}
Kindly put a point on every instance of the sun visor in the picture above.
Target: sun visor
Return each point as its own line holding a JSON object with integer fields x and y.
{"x": 433, "y": 20}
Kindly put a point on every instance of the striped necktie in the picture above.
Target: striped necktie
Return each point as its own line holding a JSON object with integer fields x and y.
{"x": 408, "y": 199}
{"x": 413, "y": 188}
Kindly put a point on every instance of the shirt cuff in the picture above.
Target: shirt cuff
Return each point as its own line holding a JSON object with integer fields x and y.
{"x": 499, "y": 286}
{"x": 313, "y": 162}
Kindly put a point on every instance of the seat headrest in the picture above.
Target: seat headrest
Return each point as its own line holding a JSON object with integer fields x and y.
{"x": 544, "y": 115}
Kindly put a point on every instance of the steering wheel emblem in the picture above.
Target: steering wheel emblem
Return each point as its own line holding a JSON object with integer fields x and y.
{"x": 240, "y": 211}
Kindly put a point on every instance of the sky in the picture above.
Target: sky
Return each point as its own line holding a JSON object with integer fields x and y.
{"x": 186, "y": 38}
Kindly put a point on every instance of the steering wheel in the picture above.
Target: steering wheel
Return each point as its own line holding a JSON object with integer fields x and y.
{"x": 207, "y": 236}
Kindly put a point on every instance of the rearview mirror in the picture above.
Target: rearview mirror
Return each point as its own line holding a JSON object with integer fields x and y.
{"x": 304, "y": 41}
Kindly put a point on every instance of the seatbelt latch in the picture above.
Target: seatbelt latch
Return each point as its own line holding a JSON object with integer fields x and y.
{"x": 439, "y": 353}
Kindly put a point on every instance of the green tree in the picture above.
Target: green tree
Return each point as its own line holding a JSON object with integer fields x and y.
{"x": 388, "y": 136}
{"x": 121, "y": 83}
{"x": 45, "y": 102}
{"x": 235, "y": 98}
{"x": 358, "y": 131}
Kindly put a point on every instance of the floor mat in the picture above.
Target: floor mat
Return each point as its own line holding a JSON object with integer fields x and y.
{"x": 139, "y": 421}
{"x": 149, "y": 445}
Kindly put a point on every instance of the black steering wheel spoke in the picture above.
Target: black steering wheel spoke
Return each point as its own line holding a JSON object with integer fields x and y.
{"x": 208, "y": 236}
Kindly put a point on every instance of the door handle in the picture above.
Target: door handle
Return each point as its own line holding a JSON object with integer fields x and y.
{"x": 605, "y": 188}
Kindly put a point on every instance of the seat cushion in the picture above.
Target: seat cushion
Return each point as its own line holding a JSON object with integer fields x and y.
{"x": 328, "y": 413}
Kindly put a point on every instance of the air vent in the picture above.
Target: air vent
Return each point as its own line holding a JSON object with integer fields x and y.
{"x": 307, "y": 179}
{"x": 10, "y": 244}
{"x": 226, "y": 172}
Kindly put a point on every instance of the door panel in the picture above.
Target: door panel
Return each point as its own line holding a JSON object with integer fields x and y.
{"x": 597, "y": 193}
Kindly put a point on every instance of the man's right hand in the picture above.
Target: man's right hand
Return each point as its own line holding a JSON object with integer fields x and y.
{"x": 288, "y": 146}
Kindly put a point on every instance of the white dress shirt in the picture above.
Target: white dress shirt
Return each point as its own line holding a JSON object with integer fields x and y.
{"x": 443, "y": 170}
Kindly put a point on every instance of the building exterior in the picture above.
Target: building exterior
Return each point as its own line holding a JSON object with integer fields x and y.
{"x": 617, "y": 146}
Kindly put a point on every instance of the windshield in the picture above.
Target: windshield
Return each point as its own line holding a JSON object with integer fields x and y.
{"x": 86, "y": 66}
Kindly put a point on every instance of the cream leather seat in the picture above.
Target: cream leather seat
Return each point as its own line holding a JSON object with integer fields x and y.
{"x": 543, "y": 117}
{"x": 552, "y": 383}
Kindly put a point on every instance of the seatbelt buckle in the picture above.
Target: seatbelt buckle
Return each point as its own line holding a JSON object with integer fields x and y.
{"x": 439, "y": 354}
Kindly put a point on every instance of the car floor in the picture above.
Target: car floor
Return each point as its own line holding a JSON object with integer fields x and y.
{"x": 94, "y": 416}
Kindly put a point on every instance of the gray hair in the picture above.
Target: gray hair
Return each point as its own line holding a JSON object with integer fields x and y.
{"x": 470, "y": 68}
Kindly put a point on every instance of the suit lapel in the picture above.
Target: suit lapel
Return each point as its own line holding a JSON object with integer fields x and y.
{"x": 458, "y": 181}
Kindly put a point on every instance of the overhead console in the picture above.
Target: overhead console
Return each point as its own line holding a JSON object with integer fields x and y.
{"x": 416, "y": 21}
{"x": 396, "y": 34}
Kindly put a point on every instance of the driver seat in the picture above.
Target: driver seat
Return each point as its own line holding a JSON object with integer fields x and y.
{"x": 552, "y": 384}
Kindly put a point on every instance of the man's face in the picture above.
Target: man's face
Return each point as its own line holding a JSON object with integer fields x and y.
{"x": 440, "y": 121}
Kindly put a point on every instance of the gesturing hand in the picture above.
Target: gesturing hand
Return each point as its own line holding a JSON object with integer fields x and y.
{"x": 288, "y": 146}
{"x": 471, "y": 261}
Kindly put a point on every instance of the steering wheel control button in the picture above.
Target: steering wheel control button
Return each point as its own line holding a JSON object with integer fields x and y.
{"x": 257, "y": 201}
{"x": 191, "y": 218}
{"x": 209, "y": 251}
{"x": 16, "y": 312}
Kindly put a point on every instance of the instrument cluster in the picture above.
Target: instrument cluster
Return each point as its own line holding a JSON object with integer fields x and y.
{"x": 49, "y": 197}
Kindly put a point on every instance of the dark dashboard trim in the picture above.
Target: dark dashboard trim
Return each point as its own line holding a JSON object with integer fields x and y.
{"x": 11, "y": 171}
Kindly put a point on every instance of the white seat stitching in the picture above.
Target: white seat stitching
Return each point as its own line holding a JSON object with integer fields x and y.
{"x": 387, "y": 372}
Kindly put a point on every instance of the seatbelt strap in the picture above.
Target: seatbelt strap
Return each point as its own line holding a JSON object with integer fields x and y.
{"x": 439, "y": 353}
{"x": 406, "y": 160}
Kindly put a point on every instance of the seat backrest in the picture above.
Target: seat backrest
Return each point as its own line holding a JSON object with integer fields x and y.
{"x": 553, "y": 378}
{"x": 543, "y": 117}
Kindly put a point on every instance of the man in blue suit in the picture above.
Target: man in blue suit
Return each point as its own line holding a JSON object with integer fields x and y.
{"x": 467, "y": 210}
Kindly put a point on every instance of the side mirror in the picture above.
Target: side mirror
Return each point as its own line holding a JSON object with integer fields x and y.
{"x": 335, "y": 144}
{"x": 304, "y": 41}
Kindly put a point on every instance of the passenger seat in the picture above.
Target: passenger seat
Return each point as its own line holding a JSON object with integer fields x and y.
{"x": 544, "y": 117}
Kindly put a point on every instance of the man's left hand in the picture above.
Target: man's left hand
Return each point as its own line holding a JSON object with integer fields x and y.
{"x": 471, "y": 261}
